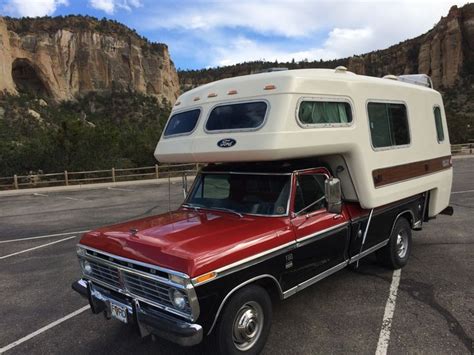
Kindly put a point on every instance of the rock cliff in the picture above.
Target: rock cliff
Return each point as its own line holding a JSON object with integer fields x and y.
{"x": 440, "y": 53}
{"x": 66, "y": 57}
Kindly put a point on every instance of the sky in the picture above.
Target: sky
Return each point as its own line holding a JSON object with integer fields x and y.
{"x": 203, "y": 34}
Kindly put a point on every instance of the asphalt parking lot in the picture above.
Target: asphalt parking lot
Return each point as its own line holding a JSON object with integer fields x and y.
{"x": 433, "y": 314}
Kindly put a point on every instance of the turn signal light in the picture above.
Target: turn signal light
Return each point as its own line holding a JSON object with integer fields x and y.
{"x": 269, "y": 87}
{"x": 231, "y": 92}
{"x": 212, "y": 94}
{"x": 177, "y": 103}
{"x": 197, "y": 98}
{"x": 205, "y": 277}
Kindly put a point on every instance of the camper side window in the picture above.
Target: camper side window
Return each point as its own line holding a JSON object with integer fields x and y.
{"x": 388, "y": 124}
{"x": 439, "y": 124}
{"x": 324, "y": 113}
{"x": 241, "y": 116}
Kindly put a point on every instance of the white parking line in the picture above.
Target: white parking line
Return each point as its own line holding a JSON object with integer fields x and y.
{"x": 42, "y": 236}
{"x": 384, "y": 336}
{"x": 41, "y": 330}
{"x": 461, "y": 192}
{"x": 38, "y": 247}
{"x": 119, "y": 189}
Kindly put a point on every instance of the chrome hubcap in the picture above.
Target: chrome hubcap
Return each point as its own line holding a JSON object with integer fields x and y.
{"x": 402, "y": 244}
{"x": 247, "y": 326}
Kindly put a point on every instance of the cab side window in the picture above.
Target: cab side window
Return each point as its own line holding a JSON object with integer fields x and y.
{"x": 309, "y": 194}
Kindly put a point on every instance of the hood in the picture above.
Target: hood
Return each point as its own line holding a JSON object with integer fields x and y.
{"x": 192, "y": 242}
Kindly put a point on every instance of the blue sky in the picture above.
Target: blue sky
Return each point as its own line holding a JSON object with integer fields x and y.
{"x": 204, "y": 34}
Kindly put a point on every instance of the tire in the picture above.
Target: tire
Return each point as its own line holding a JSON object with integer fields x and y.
{"x": 252, "y": 305}
{"x": 396, "y": 253}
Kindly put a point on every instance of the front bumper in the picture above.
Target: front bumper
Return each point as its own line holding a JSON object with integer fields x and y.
{"x": 148, "y": 319}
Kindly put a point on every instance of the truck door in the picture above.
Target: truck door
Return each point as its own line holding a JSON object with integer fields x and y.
{"x": 322, "y": 237}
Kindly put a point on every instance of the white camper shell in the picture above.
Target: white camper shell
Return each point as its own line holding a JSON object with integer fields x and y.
{"x": 385, "y": 138}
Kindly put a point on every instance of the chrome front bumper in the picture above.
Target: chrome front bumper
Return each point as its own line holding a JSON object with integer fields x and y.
{"x": 148, "y": 319}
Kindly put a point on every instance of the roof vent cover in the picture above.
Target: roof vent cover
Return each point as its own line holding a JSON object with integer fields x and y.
{"x": 417, "y": 79}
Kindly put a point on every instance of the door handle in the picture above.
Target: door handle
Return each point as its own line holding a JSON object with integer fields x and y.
{"x": 338, "y": 216}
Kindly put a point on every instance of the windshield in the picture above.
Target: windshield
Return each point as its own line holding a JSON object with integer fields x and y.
{"x": 242, "y": 193}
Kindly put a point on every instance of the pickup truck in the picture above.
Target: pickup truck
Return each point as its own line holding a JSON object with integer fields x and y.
{"x": 246, "y": 235}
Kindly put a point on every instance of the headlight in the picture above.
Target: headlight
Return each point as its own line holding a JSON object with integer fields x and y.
{"x": 86, "y": 267}
{"x": 178, "y": 299}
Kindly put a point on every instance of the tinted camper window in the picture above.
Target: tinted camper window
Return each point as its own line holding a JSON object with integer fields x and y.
{"x": 242, "y": 116}
{"x": 388, "y": 125}
{"x": 322, "y": 112}
{"x": 439, "y": 124}
{"x": 182, "y": 123}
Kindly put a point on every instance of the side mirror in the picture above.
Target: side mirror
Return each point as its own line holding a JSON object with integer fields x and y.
{"x": 332, "y": 187}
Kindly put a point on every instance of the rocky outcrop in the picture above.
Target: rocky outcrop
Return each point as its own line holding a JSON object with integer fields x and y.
{"x": 63, "y": 58}
{"x": 440, "y": 53}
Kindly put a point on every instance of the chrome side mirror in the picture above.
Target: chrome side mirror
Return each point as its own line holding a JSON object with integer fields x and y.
{"x": 332, "y": 187}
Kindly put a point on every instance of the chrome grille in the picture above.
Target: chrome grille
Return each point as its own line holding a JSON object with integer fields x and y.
{"x": 147, "y": 288}
{"x": 105, "y": 273}
{"x": 133, "y": 283}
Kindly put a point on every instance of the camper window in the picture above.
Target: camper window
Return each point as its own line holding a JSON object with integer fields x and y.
{"x": 388, "y": 124}
{"x": 182, "y": 123}
{"x": 240, "y": 116}
{"x": 324, "y": 113}
{"x": 439, "y": 124}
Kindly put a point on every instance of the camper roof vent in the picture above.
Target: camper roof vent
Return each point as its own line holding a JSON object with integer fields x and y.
{"x": 391, "y": 77}
{"x": 340, "y": 69}
{"x": 417, "y": 79}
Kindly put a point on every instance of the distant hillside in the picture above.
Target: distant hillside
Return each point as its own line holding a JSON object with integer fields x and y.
{"x": 446, "y": 53}
{"x": 78, "y": 93}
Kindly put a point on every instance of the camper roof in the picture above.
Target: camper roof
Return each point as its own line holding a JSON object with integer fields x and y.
{"x": 286, "y": 81}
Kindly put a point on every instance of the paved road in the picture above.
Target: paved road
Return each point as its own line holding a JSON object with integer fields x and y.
{"x": 434, "y": 311}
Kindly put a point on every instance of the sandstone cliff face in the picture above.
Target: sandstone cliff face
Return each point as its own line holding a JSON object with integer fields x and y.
{"x": 72, "y": 56}
{"x": 440, "y": 53}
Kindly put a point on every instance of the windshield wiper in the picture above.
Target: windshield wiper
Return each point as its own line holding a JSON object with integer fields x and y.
{"x": 226, "y": 210}
{"x": 200, "y": 207}
{"x": 196, "y": 208}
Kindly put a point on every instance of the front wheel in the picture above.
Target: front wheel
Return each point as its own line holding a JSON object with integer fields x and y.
{"x": 395, "y": 254}
{"x": 245, "y": 323}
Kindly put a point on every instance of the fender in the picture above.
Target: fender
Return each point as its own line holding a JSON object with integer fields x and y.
{"x": 264, "y": 276}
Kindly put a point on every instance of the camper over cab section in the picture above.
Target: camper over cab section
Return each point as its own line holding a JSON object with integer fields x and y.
{"x": 390, "y": 136}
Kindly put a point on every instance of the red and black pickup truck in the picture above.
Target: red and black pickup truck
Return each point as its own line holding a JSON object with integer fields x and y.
{"x": 247, "y": 235}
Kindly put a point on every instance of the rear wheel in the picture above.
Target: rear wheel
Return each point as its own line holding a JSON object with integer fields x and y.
{"x": 395, "y": 254}
{"x": 245, "y": 322}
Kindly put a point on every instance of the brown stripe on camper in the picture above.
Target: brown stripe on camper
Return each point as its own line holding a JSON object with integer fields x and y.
{"x": 402, "y": 172}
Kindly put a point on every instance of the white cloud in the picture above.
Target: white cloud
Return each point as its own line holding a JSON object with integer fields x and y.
{"x": 341, "y": 42}
{"x": 244, "y": 30}
{"x": 111, "y": 6}
{"x": 108, "y": 6}
{"x": 33, "y": 8}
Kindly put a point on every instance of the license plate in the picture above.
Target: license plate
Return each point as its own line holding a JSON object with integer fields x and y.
{"x": 118, "y": 312}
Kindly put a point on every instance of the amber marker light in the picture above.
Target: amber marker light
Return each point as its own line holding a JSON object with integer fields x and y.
{"x": 177, "y": 103}
{"x": 205, "y": 277}
{"x": 212, "y": 94}
{"x": 231, "y": 92}
{"x": 197, "y": 98}
{"x": 269, "y": 87}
